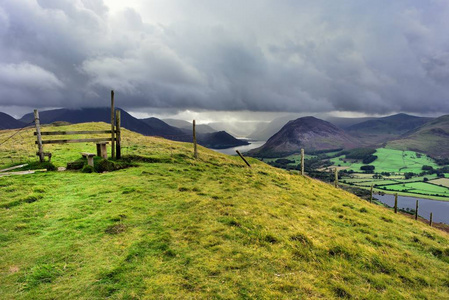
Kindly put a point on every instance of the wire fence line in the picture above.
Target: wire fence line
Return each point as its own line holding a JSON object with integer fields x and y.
{"x": 16, "y": 133}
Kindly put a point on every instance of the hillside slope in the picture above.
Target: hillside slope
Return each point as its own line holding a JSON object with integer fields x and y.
{"x": 177, "y": 228}
{"x": 380, "y": 130}
{"x": 8, "y": 122}
{"x": 309, "y": 133}
{"x": 431, "y": 138}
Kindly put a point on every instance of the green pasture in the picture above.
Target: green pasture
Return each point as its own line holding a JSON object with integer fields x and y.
{"x": 419, "y": 187}
{"x": 389, "y": 160}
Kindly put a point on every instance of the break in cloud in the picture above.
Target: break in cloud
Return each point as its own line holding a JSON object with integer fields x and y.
{"x": 372, "y": 57}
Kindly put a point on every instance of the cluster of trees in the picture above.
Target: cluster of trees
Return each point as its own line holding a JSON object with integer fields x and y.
{"x": 368, "y": 169}
{"x": 428, "y": 170}
{"x": 359, "y": 153}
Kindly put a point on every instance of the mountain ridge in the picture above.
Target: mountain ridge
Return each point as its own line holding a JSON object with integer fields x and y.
{"x": 309, "y": 133}
{"x": 8, "y": 122}
{"x": 149, "y": 126}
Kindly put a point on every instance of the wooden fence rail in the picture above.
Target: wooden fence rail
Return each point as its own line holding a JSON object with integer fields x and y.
{"x": 114, "y": 137}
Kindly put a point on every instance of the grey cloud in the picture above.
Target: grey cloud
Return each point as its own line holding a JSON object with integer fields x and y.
{"x": 287, "y": 56}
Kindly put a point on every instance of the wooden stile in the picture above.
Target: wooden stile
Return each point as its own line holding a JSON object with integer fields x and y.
{"x": 39, "y": 137}
{"x": 75, "y": 141}
{"x": 74, "y": 132}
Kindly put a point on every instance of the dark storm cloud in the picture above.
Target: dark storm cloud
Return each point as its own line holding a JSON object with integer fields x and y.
{"x": 295, "y": 56}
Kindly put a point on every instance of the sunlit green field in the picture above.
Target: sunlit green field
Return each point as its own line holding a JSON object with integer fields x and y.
{"x": 389, "y": 160}
{"x": 173, "y": 227}
{"x": 419, "y": 187}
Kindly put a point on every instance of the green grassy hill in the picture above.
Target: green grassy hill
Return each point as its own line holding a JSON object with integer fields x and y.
{"x": 432, "y": 138}
{"x": 177, "y": 228}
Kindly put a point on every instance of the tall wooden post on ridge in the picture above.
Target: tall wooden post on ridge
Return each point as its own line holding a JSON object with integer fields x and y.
{"x": 195, "y": 150}
{"x": 39, "y": 137}
{"x": 112, "y": 126}
{"x": 431, "y": 219}
{"x": 119, "y": 134}
{"x": 336, "y": 177}
{"x": 416, "y": 211}
{"x": 371, "y": 194}
{"x": 302, "y": 162}
{"x": 396, "y": 203}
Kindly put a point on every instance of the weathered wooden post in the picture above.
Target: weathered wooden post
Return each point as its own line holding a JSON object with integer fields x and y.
{"x": 371, "y": 195}
{"x": 416, "y": 212}
{"x": 241, "y": 156}
{"x": 336, "y": 177}
{"x": 39, "y": 137}
{"x": 195, "y": 147}
{"x": 118, "y": 134}
{"x": 112, "y": 126}
{"x": 431, "y": 219}
{"x": 396, "y": 203}
{"x": 302, "y": 162}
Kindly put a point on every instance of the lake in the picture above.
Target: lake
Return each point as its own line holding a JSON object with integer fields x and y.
{"x": 242, "y": 149}
{"x": 440, "y": 209}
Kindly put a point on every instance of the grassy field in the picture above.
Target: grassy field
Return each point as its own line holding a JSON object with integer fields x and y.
{"x": 418, "y": 187}
{"x": 172, "y": 227}
{"x": 396, "y": 162}
{"x": 441, "y": 181}
{"x": 389, "y": 160}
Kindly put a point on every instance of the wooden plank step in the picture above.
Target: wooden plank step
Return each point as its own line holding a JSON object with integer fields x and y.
{"x": 13, "y": 168}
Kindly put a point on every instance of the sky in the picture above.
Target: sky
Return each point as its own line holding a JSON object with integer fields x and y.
{"x": 226, "y": 60}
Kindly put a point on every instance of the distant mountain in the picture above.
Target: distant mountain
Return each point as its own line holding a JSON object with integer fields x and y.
{"x": 149, "y": 126}
{"x": 431, "y": 138}
{"x": 8, "y": 122}
{"x": 309, "y": 133}
{"x": 219, "y": 140}
{"x": 380, "y": 130}
{"x": 344, "y": 123}
{"x": 103, "y": 114}
{"x": 187, "y": 126}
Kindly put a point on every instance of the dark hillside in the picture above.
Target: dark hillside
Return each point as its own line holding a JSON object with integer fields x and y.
{"x": 380, "y": 130}
{"x": 309, "y": 133}
{"x": 8, "y": 122}
{"x": 431, "y": 138}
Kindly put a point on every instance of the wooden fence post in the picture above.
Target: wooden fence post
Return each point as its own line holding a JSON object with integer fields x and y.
{"x": 416, "y": 212}
{"x": 39, "y": 137}
{"x": 118, "y": 134}
{"x": 336, "y": 177}
{"x": 241, "y": 156}
{"x": 195, "y": 147}
{"x": 112, "y": 126}
{"x": 371, "y": 195}
{"x": 302, "y": 162}
{"x": 431, "y": 219}
{"x": 396, "y": 203}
